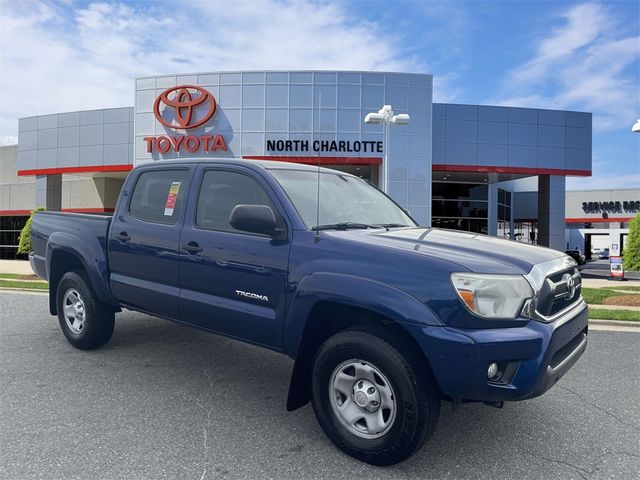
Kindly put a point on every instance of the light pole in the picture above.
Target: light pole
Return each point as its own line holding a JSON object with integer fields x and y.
{"x": 386, "y": 117}
{"x": 636, "y": 127}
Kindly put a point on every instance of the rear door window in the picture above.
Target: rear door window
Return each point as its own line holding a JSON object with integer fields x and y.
{"x": 159, "y": 195}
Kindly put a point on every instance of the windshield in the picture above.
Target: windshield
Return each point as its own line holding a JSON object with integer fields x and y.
{"x": 345, "y": 200}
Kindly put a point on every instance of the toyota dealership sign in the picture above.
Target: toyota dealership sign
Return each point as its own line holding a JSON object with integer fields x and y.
{"x": 185, "y": 107}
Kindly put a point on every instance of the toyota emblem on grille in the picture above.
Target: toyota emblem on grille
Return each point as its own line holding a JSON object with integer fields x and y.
{"x": 571, "y": 286}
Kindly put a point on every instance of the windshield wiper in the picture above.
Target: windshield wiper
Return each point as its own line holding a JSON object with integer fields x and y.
{"x": 343, "y": 226}
{"x": 390, "y": 225}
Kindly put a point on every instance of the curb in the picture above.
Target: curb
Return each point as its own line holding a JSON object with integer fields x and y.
{"x": 29, "y": 290}
{"x": 617, "y": 323}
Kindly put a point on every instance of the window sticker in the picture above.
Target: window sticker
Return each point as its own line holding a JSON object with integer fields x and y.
{"x": 171, "y": 198}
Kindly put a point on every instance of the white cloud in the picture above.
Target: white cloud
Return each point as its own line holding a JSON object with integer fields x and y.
{"x": 55, "y": 57}
{"x": 445, "y": 88}
{"x": 589, "y": 63}
{"x": 603, "y": 181}
{"x": 8, "y": 140}
{"x": 606, "y": 175}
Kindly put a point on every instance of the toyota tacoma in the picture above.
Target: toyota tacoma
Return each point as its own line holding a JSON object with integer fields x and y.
{"x": 383, "y": 318}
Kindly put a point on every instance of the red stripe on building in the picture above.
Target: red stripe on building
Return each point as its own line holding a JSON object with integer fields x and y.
{"x": 509, "y": 170}
{"x": 319, "y": 160}
{"x": 93, "y": 168}
{"x": 10, "y": 213}
{"x": 599, "y": 220}
{"x": 7, "y": 213}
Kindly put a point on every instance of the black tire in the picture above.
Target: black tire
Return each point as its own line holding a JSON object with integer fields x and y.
{"x": 97, "y": 328}
{"x": 417, "y": 398}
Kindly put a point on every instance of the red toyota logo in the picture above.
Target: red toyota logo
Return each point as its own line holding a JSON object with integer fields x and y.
{"x": 183, "y": 101}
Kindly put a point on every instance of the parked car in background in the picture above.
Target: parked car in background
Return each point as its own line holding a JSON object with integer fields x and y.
{"x": 604, "y": 254}
{"x": 577, "y": 255}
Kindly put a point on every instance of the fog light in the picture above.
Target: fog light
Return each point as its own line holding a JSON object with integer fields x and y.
{"x": 492, "y": 371}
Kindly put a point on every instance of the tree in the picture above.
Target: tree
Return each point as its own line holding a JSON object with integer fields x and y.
{"x": 24, "y": 242}
{"x": 631, "y": 259}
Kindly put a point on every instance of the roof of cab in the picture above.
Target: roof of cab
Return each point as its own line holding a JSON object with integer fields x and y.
{"x": 265, "y": 164}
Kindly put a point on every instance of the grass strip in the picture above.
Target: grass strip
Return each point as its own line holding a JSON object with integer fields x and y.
{"x": 25, "y": 285}
{"x": 624, "y": 315}
{"x": 11, "y": 275}
{"x": 630, "y": 289}
{"x": 596, "y": 296}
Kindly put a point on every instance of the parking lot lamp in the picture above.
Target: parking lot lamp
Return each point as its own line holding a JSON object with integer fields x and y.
{"x": 386, "y": 117}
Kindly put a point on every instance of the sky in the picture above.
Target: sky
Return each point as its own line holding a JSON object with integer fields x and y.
{"x": 66, "y": 55}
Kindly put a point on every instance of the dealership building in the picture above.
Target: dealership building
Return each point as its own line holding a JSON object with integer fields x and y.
{"x": 453, "y": 166}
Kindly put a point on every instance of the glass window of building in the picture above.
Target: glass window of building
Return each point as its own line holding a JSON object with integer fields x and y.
{"x": 10, "y": 227}
{"x": 504, "y": 214}
{"x": 526, "y": 231}
{"x": 460, "y": 206}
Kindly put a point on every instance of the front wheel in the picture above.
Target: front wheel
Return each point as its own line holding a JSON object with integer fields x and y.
{"x": 373, "y": 402}
{"x": 84, "y": 320}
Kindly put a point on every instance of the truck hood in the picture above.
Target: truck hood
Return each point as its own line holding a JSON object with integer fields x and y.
{"x": 469, "y": 251}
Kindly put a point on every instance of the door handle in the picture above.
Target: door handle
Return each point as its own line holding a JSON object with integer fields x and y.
{"x": 123, "y": 237}
{"x": 192, "y": 248}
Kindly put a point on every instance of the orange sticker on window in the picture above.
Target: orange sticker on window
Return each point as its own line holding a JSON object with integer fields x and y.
{"x": 171, "y": 198}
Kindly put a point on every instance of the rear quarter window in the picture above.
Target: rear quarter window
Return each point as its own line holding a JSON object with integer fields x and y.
{"x": 158, "y": 195}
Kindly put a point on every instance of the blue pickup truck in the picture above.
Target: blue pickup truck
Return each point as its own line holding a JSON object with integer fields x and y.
{"x": 384, "y": 318}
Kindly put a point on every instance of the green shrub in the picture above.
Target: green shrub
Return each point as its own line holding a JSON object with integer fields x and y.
{"x": 631, "y": 260}
{"x": 24, "y": 242}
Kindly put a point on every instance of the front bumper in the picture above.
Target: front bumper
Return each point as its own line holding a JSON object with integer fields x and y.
{"x": 541, "y": 353}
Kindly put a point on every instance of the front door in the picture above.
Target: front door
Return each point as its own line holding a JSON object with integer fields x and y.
{"x": 233, "y": 282}
{"x": 144, "y": 241}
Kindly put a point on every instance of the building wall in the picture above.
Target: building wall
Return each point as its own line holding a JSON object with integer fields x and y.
{"x": 254, "y": 107}
{"x": 526, "y": 206}
{"x": 75, "y": 139}
{"x": 603, "y": 205}
{"x": 511, "y": 140}
{"x": 16, "y": 193}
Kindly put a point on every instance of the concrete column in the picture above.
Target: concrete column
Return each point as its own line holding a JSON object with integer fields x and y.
{"x": 551, "y": 211}
{"x": 49, "y": 192}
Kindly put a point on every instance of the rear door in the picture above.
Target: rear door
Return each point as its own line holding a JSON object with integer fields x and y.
{"x": 233, "y": 282}
{"x": 144, "y": 240}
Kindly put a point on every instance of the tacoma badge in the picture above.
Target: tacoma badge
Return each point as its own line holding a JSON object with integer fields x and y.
{"x": 255, "y": 296}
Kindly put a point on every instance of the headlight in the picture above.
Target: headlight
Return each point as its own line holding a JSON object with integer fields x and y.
{"x": 492, "y": 296}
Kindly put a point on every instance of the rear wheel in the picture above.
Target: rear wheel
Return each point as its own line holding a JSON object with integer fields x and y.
{"x": 373, "y": 402}
{"x": 85, "y": 321}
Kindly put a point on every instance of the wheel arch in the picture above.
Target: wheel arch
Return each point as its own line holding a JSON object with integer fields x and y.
{"x": 328, "y": 318}
{"x": 65, "y": 258}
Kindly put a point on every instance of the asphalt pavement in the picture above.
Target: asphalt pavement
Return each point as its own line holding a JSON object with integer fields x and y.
{"x": 164, "y": 401}
{"x": 601, "y": 269}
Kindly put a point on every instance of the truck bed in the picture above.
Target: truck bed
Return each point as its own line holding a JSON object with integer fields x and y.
{"x": 67, "y": 230}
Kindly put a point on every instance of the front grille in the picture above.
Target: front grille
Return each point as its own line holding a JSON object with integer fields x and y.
{"x": 559, "y": 291}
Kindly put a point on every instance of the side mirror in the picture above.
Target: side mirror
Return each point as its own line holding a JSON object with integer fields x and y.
{"x": 253, "y": 218}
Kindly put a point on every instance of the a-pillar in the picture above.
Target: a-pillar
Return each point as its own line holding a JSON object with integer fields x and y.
{"x": 49, "y": 192}
{"x": 551, "y": 211}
